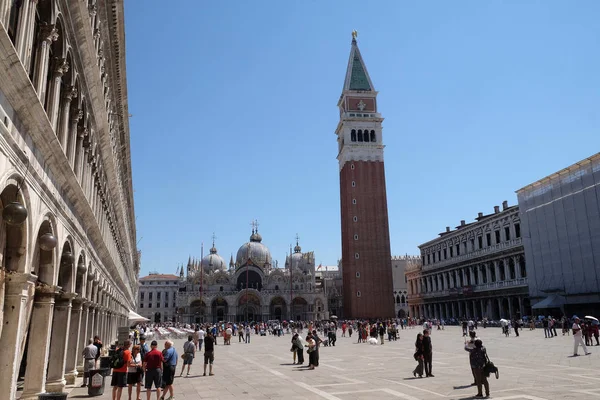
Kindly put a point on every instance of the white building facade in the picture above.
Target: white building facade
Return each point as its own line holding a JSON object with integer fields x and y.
{"x": 157, "y": 297}
{"x": 475, "y": 271}
{"x": 69, "y": 261}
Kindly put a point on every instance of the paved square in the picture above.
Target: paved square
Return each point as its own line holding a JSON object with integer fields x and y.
{"x": 531, "y": 367}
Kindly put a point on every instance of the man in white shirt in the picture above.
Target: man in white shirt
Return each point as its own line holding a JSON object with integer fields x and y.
{"x": 201, "y": 335}
{"x": 577, "y": 338}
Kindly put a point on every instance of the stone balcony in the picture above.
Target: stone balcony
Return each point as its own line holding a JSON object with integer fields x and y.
{"x": 484, "y": 287}
{"x": 504, "y": 246}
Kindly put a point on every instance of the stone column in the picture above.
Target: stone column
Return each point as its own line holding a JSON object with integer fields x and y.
{"x": 23, "y": 28}
{"x": 19, "y": 289}
{"x": 506, "y": 270}
{"x": 58, "y": 344}
{"x": 499, "y": 300}
{"x": 73, "y": 138}
{"x": 39, "y": 345}
{"x": 497, "y": 269}
{"x": 93, "y": 321}
{"x": 521, "y": 306}
{"x": 63, "y": 127}
{"x": 84, "y": 335}
{"x": 517, "y": 262}
{"x": 510, "y": 308}
{"x": 61, "y": 66}
{"x": 483, "y": 310}
{"x": 79, "y": 154}
{"x": 74, "y": 341}
{"x": 460, "y": 310}
{"x": 29, "y": 28}
{"x": 47, "y": 35}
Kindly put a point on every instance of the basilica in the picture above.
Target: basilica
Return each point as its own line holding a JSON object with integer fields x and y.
{"x": 251, "y": 288}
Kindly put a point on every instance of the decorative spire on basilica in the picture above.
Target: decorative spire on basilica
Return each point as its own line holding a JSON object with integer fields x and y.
{"x": 297, "y": 248}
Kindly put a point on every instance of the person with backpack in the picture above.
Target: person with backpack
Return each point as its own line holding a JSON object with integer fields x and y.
{"x": 478, "y": 358}
{"x": 119, "y": 363}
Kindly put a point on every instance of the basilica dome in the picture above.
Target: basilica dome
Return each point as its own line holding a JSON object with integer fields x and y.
{"x": 255, "y": 251}
{"x": 213, "y": 262}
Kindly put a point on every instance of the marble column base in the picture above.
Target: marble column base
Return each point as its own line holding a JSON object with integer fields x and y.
{"x": 71, "y": 376}
{"x": 56, "y": 386}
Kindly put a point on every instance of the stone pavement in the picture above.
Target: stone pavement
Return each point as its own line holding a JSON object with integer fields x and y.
{"x": 531, "y": 367}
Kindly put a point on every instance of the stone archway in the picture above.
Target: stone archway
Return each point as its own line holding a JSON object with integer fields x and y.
{"x": 34, "y": 363}
{"x": 299, "y": 309}
{"x": 197, "y": 311}
{"x": 219, "y": 308}
{"x": 277, "y": 309}
{"x": 249, "y": 307}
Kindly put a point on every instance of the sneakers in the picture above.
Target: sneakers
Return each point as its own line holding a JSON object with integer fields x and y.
{"x": 587, "y": 354}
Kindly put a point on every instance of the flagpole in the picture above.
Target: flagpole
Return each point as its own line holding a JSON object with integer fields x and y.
{"x": 291, "y": 288}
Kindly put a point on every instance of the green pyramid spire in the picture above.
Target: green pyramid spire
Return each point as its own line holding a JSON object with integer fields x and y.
{"x": 357, "y": 77}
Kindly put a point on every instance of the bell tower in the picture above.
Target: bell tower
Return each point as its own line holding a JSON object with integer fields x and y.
{"x": 366, "y": 255}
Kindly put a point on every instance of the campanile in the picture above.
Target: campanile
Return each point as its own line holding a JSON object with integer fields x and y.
{"x": 366, "y": 255}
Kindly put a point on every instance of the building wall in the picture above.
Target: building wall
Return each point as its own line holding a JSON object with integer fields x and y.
{"x": 65, "y": 144}
{"x": 158, "y": 294}
{"x": 477, "y": 270}
{"x": 400, "y": 283}
{"x": 366, "y": 255}
{"x": 561, "y": 227}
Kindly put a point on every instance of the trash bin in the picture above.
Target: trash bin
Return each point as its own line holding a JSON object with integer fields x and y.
{"x": 96, "y": 385}
{"x": 105, "y": 362}
{"x": 52, "y": 396}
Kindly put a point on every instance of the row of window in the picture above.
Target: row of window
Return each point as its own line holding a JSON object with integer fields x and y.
{"x": 456, "y": 249}
{"x": 160, "y": 283}
{"x": 362, "y": 136}
{"x": 158, "y": 294}
{"x": 157, "y": 305}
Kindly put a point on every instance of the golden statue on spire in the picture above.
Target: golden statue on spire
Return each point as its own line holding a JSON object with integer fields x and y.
{"x": 354, "y": 34}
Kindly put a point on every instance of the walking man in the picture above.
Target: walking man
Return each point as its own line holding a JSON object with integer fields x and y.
{"x": 247, "y": 334}
{"x": 577, "y": 339}
{"x": 89, "y": 360}
{"x": 427, "y": 353}
{"x": 189, "y": 350}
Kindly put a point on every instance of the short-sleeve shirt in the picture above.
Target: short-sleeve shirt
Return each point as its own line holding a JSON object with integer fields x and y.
{"x": 126, "y": 358}
{"x": 153, "y": 359}
{"x": 201, "y": 334}
{"x": 170, "y": 356}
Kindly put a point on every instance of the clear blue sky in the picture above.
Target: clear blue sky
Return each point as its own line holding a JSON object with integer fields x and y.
{"x": 234, "y": 112}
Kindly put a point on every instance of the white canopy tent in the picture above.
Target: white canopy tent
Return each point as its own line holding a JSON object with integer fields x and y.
{"x": 135, "y": 317}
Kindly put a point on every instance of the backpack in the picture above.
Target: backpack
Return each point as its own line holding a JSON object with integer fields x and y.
{"x": 117, "y": 361}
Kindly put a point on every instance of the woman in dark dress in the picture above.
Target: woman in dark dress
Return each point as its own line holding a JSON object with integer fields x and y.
{"x": 419, "y": 356}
